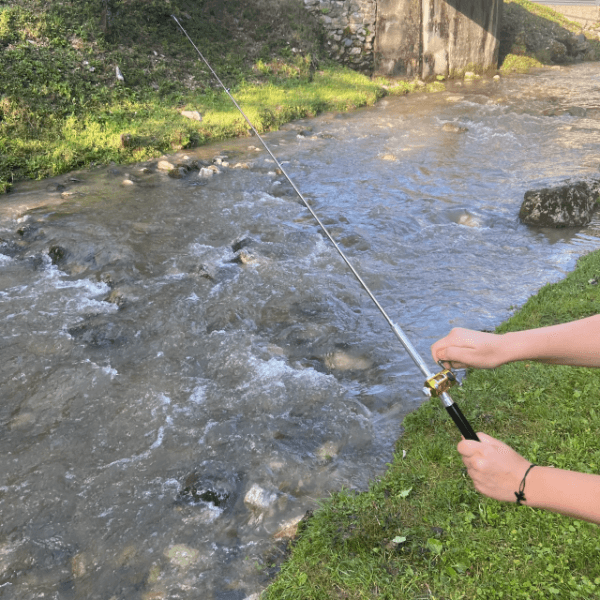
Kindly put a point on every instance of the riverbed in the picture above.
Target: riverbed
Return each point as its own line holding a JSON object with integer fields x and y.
{"x": 187, "y": 364}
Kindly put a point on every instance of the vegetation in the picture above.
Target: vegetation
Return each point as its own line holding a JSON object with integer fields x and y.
{"x": 422, "y": 531}
{"x": 524, "y": 24}
{"x": 62, "y": 105}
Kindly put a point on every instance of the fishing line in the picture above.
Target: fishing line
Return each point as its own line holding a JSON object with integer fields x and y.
{"x": 435, "y": 384}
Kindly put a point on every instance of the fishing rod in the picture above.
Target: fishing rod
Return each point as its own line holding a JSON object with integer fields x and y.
{"x": 436, "y": 385}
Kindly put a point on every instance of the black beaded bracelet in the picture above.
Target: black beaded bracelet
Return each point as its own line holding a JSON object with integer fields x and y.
{"x": 521, "y": 493}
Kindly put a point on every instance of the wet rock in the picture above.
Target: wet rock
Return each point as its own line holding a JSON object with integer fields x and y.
{"x": 165, "y": 165}
{"x": 177, "y": 173}
{"x": 568, "y": 205}
{"x": 288, "y": 530}
{"x": 204, "y": 271}
{"x": 259, "y": 499}
{"x": 327, "y": 451}
{"x": 242, "y": 243}
{"x": 72, "y": 194}
{"x": 454, "y": 128}
{"x": 116, "y": 297}
{"x": 57, "y": 254}
{"x": 97, "y": 335}
{"x": 206, "y": 488}
{"x": 182, "y": 556}
{"x": 79, "y": 566}
{"x": 208, "y": 172}
{"x": 341, "y": 361}
{"x": 28, "y": 231}
{"x": 243, "y": 257}
{"x": 221, "y": 160}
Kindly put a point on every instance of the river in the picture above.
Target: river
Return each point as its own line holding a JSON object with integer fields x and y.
{"x": 187, "y": 365}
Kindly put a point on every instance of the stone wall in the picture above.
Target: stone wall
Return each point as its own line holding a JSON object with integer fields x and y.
{"x": 350, "y": 25}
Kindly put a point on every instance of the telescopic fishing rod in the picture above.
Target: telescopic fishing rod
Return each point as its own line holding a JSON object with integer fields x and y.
{"x": 436, "y": 385}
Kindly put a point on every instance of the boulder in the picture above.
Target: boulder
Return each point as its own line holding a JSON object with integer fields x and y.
{"x": 567, "y": 205}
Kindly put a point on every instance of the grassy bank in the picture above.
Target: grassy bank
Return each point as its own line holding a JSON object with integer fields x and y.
{"x": 62, "y": 105}
{"x": 526, "y": 36}
{"x": 422, "y": 531}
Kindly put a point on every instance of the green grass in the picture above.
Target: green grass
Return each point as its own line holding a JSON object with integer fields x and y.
{"x": 62, "y": 107}
{"x": 523, "y": 20}
{"x": 422, "y": 531}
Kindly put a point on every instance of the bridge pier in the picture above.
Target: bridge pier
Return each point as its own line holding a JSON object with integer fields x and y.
{"x": 425, "y": 38}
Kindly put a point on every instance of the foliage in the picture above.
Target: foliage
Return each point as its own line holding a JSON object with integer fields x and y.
{"x": 62, "y": 106}
{"x": 423, "y": 531}
{"x": 524, "y": 22}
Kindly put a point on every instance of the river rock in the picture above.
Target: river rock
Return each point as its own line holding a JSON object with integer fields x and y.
{"x": 567, "y": 205}
{"x": 165, "y": 165}
{"x": 182, "y": 556}
{"x": 454, "y": 128}
{"x": 259, "y": 499}
{"x": 178, "y": 173}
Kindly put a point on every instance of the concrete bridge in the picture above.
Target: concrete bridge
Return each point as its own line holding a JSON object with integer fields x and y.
{"x": 412, "y": 38}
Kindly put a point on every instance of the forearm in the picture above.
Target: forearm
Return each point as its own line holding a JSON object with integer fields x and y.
{"x": 576, "y": 343}
{"x": 566, "y": 492}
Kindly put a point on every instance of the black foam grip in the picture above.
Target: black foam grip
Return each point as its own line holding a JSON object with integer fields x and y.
{"x": 461, "y": 422}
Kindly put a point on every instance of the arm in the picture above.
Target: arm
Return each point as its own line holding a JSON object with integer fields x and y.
{"x": 497, "y": 471}
{"x": 576, "y": 343}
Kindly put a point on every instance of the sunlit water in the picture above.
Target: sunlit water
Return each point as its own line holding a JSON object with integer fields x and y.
{"x": 150, "y": 379}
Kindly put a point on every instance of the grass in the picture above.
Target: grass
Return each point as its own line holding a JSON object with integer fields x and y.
{"x": 62, "y": 106}
{"x": 524, "y": 20}
{"x": 422, "y": 531}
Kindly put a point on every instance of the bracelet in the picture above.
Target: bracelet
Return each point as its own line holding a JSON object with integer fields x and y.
{"x": 521, "y": 493}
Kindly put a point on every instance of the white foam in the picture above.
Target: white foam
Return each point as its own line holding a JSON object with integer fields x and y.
{"x": 198, "y": 396}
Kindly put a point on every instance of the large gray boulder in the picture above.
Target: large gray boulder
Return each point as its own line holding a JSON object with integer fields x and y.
{"x": 567, "y": 205}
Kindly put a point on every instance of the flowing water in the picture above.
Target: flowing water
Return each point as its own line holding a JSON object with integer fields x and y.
{"x": 187, "y": 365}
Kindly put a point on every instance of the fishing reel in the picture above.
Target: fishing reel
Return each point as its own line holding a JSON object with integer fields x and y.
{"x": 439, "y": 383}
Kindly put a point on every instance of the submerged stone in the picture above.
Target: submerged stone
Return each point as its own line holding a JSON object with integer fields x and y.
{"x": 181, "y": 555}
{"x": 257, "y": 498}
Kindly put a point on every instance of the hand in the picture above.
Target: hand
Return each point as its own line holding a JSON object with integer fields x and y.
{"x": 463, "y": 348}
{"x": 495, "y": 468}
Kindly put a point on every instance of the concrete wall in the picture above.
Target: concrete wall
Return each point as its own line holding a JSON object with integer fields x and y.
{"x": 411, "y": 38}
{"x": 460, "y": 35}
{"x": 426, "y": 38}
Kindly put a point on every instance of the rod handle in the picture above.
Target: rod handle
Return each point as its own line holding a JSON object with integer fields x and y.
{"x": 461, "y": 422}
